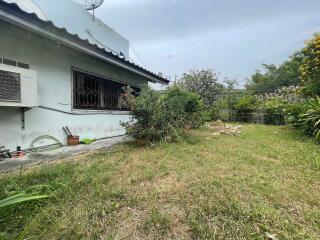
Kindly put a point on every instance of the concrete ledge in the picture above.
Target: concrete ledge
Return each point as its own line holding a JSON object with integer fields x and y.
{"x": 36, "y": 158}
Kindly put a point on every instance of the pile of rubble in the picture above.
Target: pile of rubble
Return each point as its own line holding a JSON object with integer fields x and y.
{"x": 223, "y": 128}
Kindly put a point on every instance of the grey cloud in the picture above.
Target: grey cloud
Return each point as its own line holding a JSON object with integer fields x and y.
{"x": 232, "y": 36}
{"x": 158, "y": 19}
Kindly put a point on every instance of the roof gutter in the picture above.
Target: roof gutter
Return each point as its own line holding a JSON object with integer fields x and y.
{"x": 7, "y": 17}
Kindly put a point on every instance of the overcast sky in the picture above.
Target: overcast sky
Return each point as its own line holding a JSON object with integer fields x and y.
{"x": 233, "y": 37}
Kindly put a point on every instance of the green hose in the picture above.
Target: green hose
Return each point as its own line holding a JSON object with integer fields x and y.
{"x": 53, "y": 146}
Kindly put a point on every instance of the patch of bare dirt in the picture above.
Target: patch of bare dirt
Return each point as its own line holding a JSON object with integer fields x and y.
{"x": 269, "y": 159}
{"x": 169, "y": 183}
{"x": 179, "y": 229}
{"x": 129, "y": 222}
{"x": 167, "y": 189}
{"x": 220, "y": 127}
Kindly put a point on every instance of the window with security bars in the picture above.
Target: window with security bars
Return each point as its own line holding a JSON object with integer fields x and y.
{"x": 96, "y": 93}
{"x": 10, "y": 86}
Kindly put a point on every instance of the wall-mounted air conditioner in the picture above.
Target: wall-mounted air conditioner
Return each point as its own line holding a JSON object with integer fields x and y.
{"x": 18, "y": 87}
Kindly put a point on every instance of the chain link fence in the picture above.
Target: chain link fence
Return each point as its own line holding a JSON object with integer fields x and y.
{"x": 252, "y": 117}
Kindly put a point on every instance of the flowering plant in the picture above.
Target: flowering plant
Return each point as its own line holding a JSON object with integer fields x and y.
{"x": 127, "y": 98}
{"x": 284, "y": 105}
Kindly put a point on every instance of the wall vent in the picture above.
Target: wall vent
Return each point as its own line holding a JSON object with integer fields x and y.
{"x": 9, "y": 62}
{"x": 13, "y": 63}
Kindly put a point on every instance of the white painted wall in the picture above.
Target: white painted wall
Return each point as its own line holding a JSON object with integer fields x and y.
{"x": 53, "y": 63}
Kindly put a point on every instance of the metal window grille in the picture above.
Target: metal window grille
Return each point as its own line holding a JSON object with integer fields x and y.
{"x": 96, "y": 93}
{"x": 10, "y": 86}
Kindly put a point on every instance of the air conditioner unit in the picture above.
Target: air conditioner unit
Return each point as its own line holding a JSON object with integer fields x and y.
{"x": 18, "y": 87}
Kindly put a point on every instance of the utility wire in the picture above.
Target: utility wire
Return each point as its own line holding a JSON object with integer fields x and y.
{"x": 137, "y": 55}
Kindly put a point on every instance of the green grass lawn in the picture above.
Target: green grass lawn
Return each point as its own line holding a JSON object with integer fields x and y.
{"x": 205, "y": 187}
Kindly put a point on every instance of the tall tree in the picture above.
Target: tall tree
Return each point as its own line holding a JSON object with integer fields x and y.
{"x": 310, "y": 68}
{"x": 204, "y": 83}
{"x": 274, "y": 77}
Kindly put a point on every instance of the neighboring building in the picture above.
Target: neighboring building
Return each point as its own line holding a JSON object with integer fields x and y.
{"x": 60, "y": 68}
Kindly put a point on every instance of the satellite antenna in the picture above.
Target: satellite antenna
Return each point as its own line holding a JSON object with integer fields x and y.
{"x": 90, "y": 5}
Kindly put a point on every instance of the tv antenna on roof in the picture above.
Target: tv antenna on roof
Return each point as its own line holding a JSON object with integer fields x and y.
{"x": 90, "y": 5}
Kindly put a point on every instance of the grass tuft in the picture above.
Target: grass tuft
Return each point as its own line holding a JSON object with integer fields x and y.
{"x": 157, "y": 222}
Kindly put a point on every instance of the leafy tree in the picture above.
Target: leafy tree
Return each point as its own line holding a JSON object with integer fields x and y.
{"x": 230, "y": 83}
{"x": 204, "y": 83}
{"x": 246, "y": 103}
{"x": 310, "y": 68}
{"x": 274, "y": 77}
{"x": 230, "y": 94}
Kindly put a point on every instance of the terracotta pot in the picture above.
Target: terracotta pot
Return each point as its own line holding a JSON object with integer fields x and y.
{"x": 73, "y": 140}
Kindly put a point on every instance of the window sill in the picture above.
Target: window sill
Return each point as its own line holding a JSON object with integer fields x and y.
{"x": 94, "y": 112}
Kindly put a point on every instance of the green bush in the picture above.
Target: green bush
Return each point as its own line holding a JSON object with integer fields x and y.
{"x": 207, "y": 116}
{"x": 248, "y": 102}
{"x": 282, "y": 106}
{"x": 146, "y": 121}
{"x": 245, "y": 106}
{"x": 183, "y": 106}
{"x": 311, "y": 119}
{"x": 216, "y": 111}
{"x": 293, "y": 111}
{"x": 162, "y": 116}
{"x": 281, "y": 113}
{"x": 274, "y": 110}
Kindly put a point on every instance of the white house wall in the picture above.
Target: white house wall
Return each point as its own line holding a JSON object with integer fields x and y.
{"x": 54, "y": 63}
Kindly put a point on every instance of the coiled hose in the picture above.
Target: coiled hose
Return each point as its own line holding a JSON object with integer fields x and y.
{"x": 45, "y": 137}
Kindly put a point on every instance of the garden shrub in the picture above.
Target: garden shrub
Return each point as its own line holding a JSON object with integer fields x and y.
{"x": 145, "y": 116}
{"x": 183, "y": 106}
{"x": 293, "y": 111}
{"x": 217, "y": 111}
{"x": 163, "y": 116}
{"x": 282, "y": 106}
{"x": 311, "y": 119}
{"x": 208, "y": 115}
{"x": 245, "y": 106}
{"x": 274, "y": 111}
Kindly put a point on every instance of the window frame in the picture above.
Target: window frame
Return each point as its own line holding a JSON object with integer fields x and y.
{"x": 97, "y": 110}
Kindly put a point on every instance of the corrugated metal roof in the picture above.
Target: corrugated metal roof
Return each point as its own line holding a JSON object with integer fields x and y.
{"x": 70, "y": 15}
{"x": 47, "y": 25}
{"x": 30, "y": 7}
